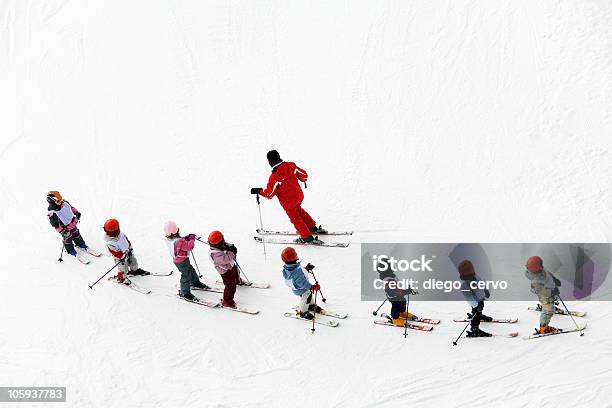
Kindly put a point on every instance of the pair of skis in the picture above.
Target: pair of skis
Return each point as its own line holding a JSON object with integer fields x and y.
{"x": 241, "y": 309}
{"x": 559, "y": 311}
{"x": 218, "y": 304}
{"x": 263, "y": 234}
{"x": 386, "y": 320}
{"x": 84, "y": 259}
{"x": 323, "y": 312}
{"x": 135, "y": 287}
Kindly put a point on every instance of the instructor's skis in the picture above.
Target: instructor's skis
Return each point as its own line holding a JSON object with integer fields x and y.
{"x": 272, "y": 232}
{"x": 294, "y": 242}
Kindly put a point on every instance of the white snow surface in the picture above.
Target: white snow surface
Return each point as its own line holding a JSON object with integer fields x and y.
{"x": 418, "y": 121}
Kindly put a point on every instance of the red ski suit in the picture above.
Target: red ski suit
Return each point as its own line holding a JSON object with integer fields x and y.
{"x": 283, "y": 183}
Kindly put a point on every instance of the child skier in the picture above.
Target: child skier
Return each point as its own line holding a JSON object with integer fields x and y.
{"x": 121, "y": 249}
{"x": 545, "y": 285}
{"x": 64, "y": 218}
{"x": 296, "y": 279}
{"x": 397, "y": 297}
{"x": 180, "y": 248}
{"x": 223, "y": 256}
{"x": 475, "y": 298}
{"x": 284, "y": 183}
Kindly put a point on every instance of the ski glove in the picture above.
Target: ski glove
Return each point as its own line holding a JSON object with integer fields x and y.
{"x": 232, "y": 248}
{"x": 309, "y": 267}
{"x": 255, "y": 190}
{"x": 315, "y": 287}
{"x": 190, "y": 237}
{"x": 557, "y": 281}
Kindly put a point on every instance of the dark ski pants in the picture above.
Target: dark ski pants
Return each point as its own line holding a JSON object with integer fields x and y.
{"x": 189, "y": 277}
{"x": 477, "y": 315}
{"x": 72, "y": 239}
{"x": 230, "y": 280}
{"x": 397, "y": 307}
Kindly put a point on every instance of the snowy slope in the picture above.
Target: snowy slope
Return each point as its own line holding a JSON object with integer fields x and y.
{"x": 417, "y": 121}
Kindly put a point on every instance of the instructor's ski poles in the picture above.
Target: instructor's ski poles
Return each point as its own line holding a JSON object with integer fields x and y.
{"x": 309, "y": 268}
{"x": 572, "y": 316}
{"x": 61, "y": 259}
{"x": 107, "y": 272}
{"x": 261, "y": 224}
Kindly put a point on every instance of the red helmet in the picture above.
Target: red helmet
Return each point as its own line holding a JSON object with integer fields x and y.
{"x": 534, "y": 264}
{"x": 215, "y": 238}
{"x": 111, "y": 227}
{"x": 466, "y": 269}
{"x": 289, "y": 255}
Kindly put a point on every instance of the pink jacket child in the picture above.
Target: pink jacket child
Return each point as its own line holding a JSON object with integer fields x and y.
{"x": 180, "y": 249}
{"x": 223, "y": 256}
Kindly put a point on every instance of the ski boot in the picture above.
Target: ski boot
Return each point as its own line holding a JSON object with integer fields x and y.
{"x": 408, "y": 316}
{"x": 318, "y": 230}
{"x": 476, "y": 332}
{"x": 485, "y": 318}
{"x": 188, "y": 296}
{"x": 306, "y": 315}
{"x": 123, "y": 279}
{"x": 231, "y": 304}
{"x": 312, "y": 308}
{"x": 200, "y": 285}
{"x": 545, "y": 329}
{"x": 139, "y": 271}
{"x": 309, "y": 240}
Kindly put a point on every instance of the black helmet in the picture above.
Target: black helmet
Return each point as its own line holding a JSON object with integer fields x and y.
{"x": 273, "y": 158}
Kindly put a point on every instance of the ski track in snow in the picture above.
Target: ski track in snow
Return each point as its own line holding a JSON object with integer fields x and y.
{"x": 417, "y": 122}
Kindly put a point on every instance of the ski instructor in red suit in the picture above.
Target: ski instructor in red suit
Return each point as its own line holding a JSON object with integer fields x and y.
{"x": 284, "y": 184}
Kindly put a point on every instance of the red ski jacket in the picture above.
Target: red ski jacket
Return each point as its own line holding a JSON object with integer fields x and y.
{"x": 283, "y": 183}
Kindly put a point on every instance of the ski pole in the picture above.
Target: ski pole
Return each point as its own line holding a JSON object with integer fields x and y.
{"x": 196, "y": 265}
{"x": 314, "y": 315}
{"x": 465, "y": 328}
{"x": 242, "y": 272}
{"x": 572, "y": 316}
{"x": 375, "y": 313}
{"x": 317, "y": 282}
{"x": 406, "y": 322}
{"x": 61, "y": 254}
{"x": 107, "y": 272}
{"x": 261, "y": 224}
